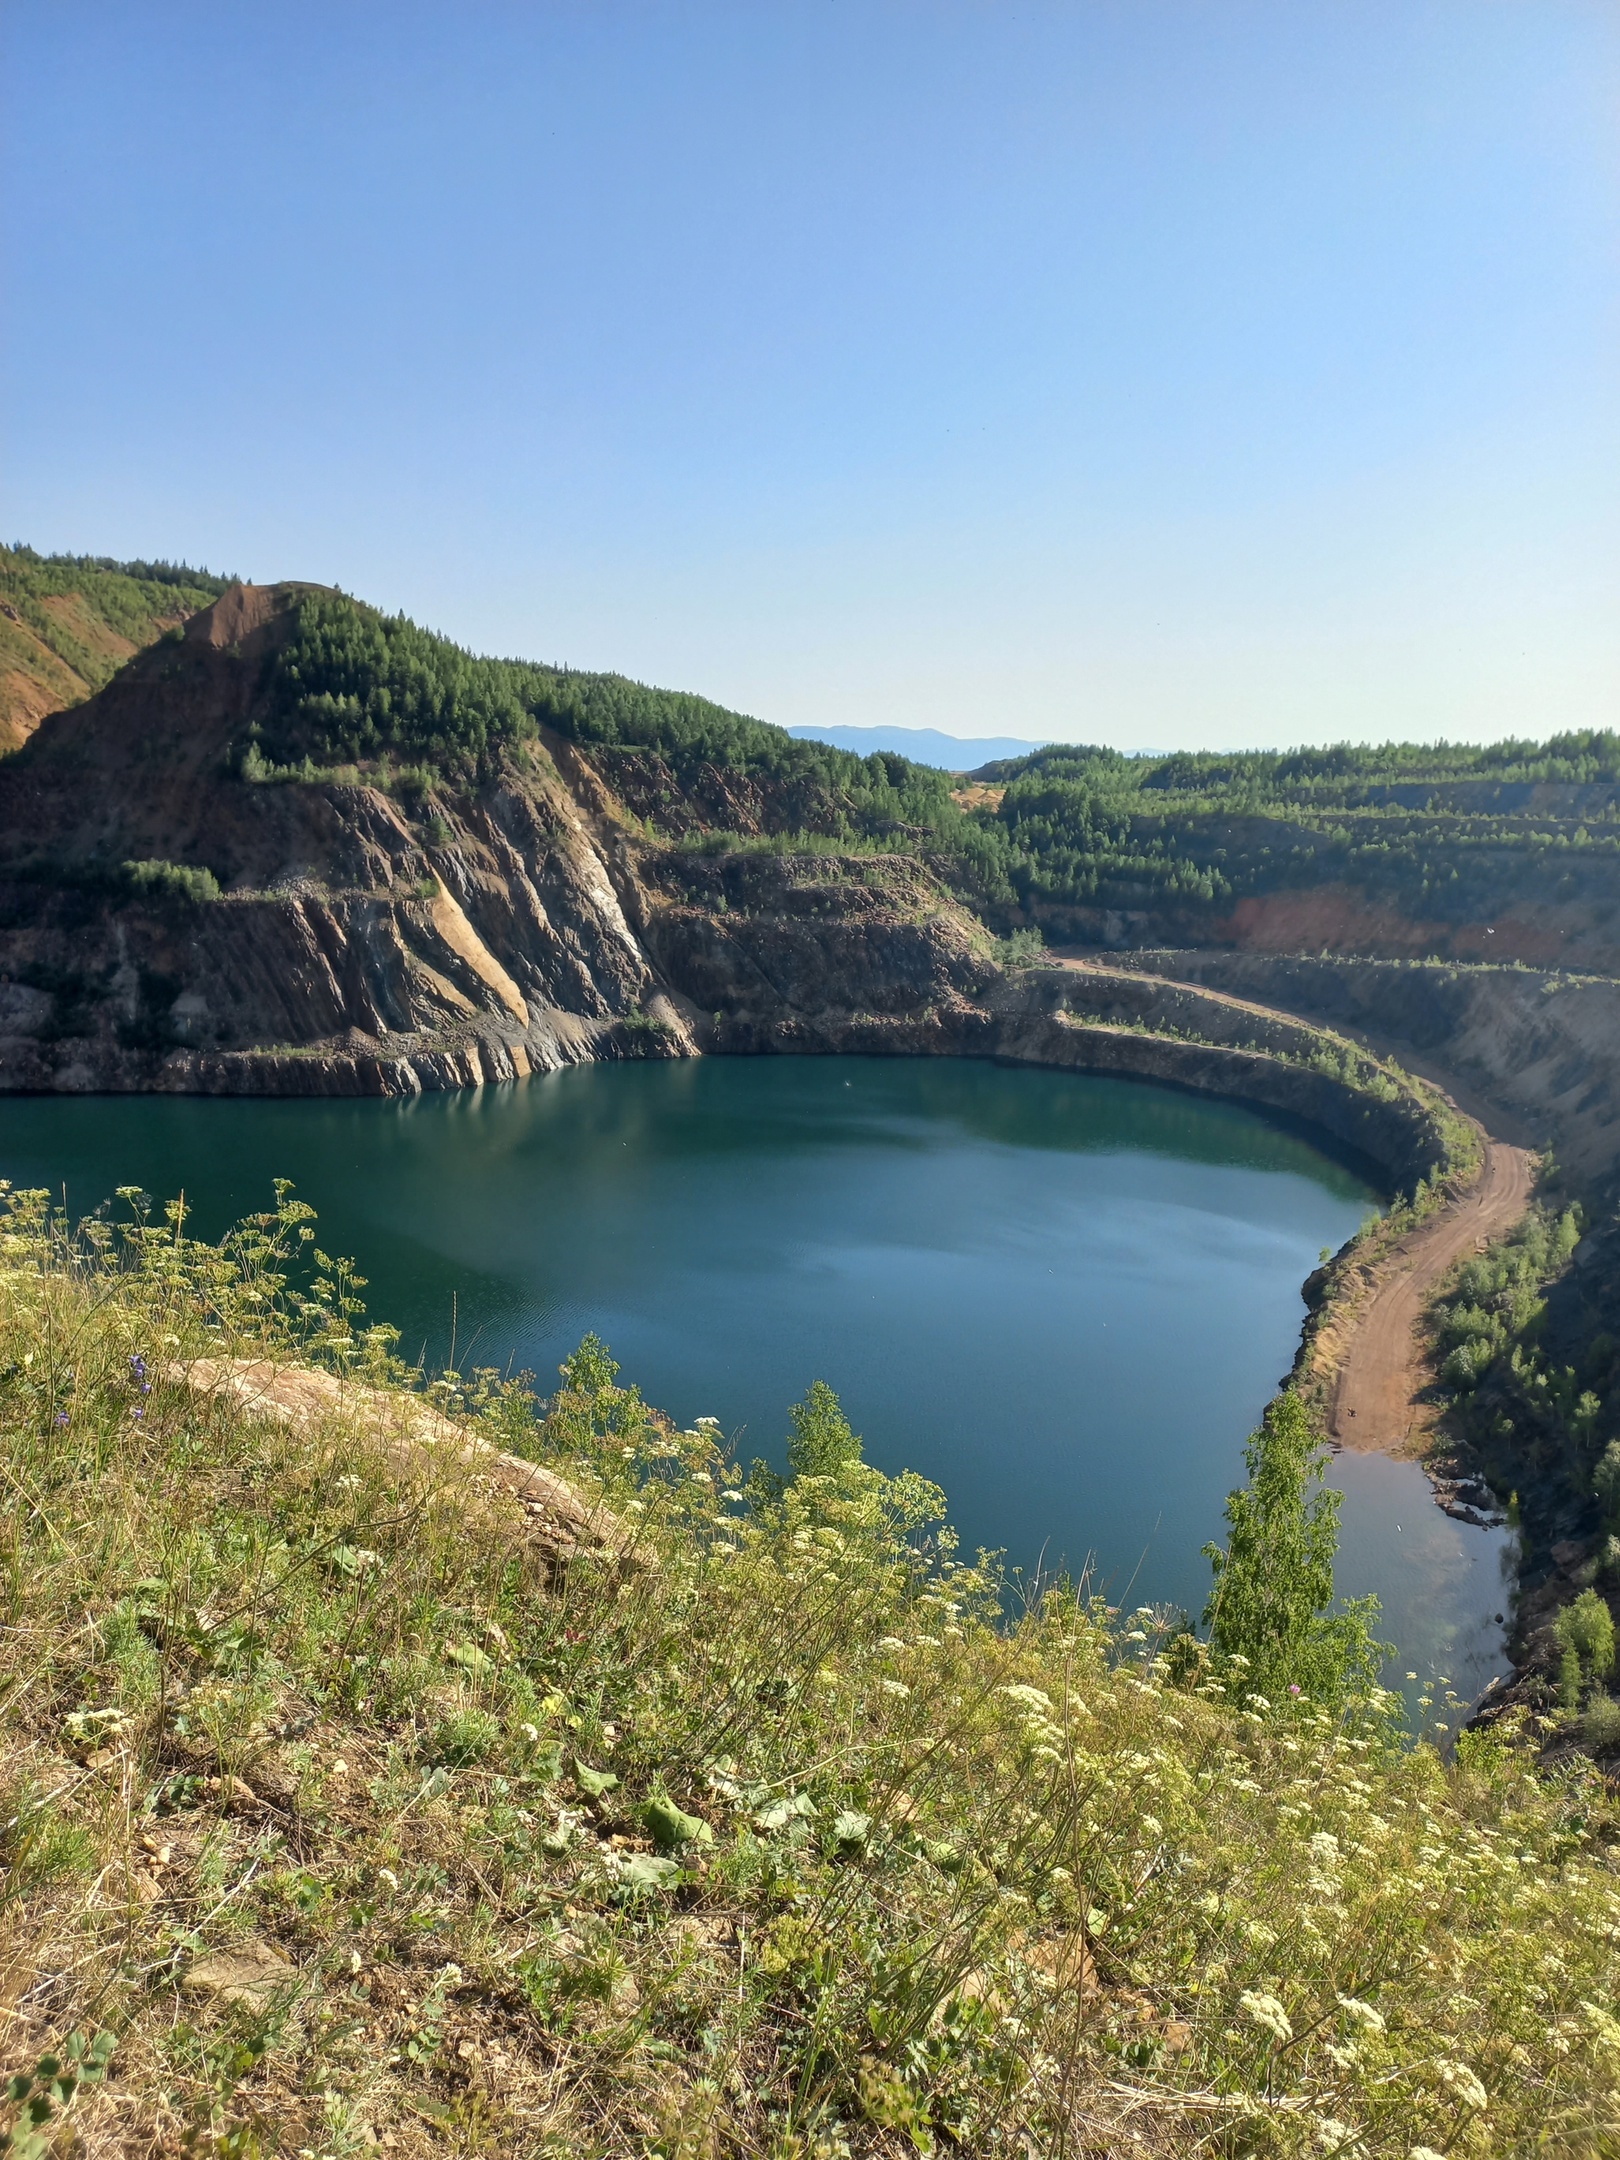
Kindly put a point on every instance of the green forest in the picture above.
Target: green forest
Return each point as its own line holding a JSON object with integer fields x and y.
{"x": 1450, "y": 832}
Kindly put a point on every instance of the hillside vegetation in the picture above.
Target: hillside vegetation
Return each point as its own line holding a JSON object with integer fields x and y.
{"x": 337, "y": 1814}
{"x": 1445, "y": 832}
{"x": 354, "y": 686}
{"x": 1432, "y": 847}
{"x": 1447, "y": 838}
{"x": 69, "y": 622}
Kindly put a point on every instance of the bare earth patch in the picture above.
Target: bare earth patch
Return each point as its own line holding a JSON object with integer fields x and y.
{"x": 1384, "y": 1362}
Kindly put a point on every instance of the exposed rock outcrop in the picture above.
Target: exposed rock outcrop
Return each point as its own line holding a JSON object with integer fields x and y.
{"x": 358, "y": 944}
{"x": 1541, "y": 1049}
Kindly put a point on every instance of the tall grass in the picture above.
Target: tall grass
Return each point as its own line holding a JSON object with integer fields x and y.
{"x": 333, "y": 1817}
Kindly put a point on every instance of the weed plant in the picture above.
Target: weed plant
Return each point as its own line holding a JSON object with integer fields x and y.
{"x": 333, "y": 1817}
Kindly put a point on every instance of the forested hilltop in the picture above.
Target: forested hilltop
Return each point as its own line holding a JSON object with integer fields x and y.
{"x": 69, "y": 622}
{"x": 1511, "y": 850}
{"x": 1507, "y": 851}
{"x": 354, "y": 688}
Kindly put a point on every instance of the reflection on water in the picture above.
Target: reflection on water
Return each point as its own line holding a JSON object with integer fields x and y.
{"x": 1066, "y": 1298}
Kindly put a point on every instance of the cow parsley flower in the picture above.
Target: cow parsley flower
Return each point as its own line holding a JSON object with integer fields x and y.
{"x": 1463, "y": 2083}
{"x": 1362, "y": 2012}
{"x": 1266, "y": 2012}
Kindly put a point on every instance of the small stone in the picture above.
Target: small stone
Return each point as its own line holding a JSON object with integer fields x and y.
{"x": 234, "y": 1789}
{"x": 249, "y": 1975}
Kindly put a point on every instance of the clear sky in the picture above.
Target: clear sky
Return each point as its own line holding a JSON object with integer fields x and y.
{"x": 1166, "y": 372}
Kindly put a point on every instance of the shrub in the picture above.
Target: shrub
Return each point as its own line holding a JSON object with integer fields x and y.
{"x": 1606, "y": 1484}
{"x": 465, "y": 1736}
{"x": 822, "y": 1443}
{"x": 1600, "y": 1728}
{"x": 1585, "y": 1630}
{"x": 1268, "y": 1614}
{"x": 171, "y": 881}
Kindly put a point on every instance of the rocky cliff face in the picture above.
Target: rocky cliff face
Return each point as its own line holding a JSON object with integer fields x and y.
{"x": 1541, "y": 1049}
{"x": 364, "y": 942}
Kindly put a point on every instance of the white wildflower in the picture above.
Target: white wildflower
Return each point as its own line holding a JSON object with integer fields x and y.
{"x": 1266, "y": 2012}
{"x": 1463, "y": 2083}
{"x": 1030, "y": 1697}
{"x": 1362, "y": 2012}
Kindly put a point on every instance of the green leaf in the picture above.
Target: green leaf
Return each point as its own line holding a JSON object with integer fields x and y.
{"x": 783, "y": 1812}
{"x": 645, "y": 1872}
{"x": 670, "y": 1826}
{"x": 593, "y": 1781}
{"x": 851, "y": 1827}
{"x": 470, "y": 1658}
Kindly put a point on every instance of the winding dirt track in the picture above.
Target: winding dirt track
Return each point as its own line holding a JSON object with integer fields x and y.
{"x": 1374, "y": 1400}
{"x": 1383, "y": 1365}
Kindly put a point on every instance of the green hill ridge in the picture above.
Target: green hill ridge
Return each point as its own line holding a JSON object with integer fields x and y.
{"x": 69, "y": 622}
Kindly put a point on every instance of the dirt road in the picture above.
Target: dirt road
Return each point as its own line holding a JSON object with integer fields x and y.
{"x": 1374, "y": 1401}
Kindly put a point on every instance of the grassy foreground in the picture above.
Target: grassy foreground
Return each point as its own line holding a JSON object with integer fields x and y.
{"x": 330, "y": 1818}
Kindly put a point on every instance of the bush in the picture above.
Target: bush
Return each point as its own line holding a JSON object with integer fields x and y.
{"x": 171, "y": 881}
{"x": 1600, "y": 1728}
{"x": 1585, "y": 1630}
{"x": 466, "y": 1736}
{"x": 822, "y": 1443}
{"x": 1268, "y": 1614}
{"x": 1606, "y": 1484}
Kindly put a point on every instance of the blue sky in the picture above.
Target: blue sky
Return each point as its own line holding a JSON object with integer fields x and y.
{"x": 1167, "y": 372}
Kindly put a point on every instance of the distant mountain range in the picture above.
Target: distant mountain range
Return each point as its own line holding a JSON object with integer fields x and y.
{"x": 924, "y": 746}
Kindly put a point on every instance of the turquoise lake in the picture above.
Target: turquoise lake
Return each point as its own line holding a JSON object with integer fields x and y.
{"x": 1065, "y": 1298}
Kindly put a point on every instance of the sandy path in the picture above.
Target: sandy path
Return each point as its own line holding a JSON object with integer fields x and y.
{"x": 1383, "y": 1364}
{"x": 1375, "y": 1398}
